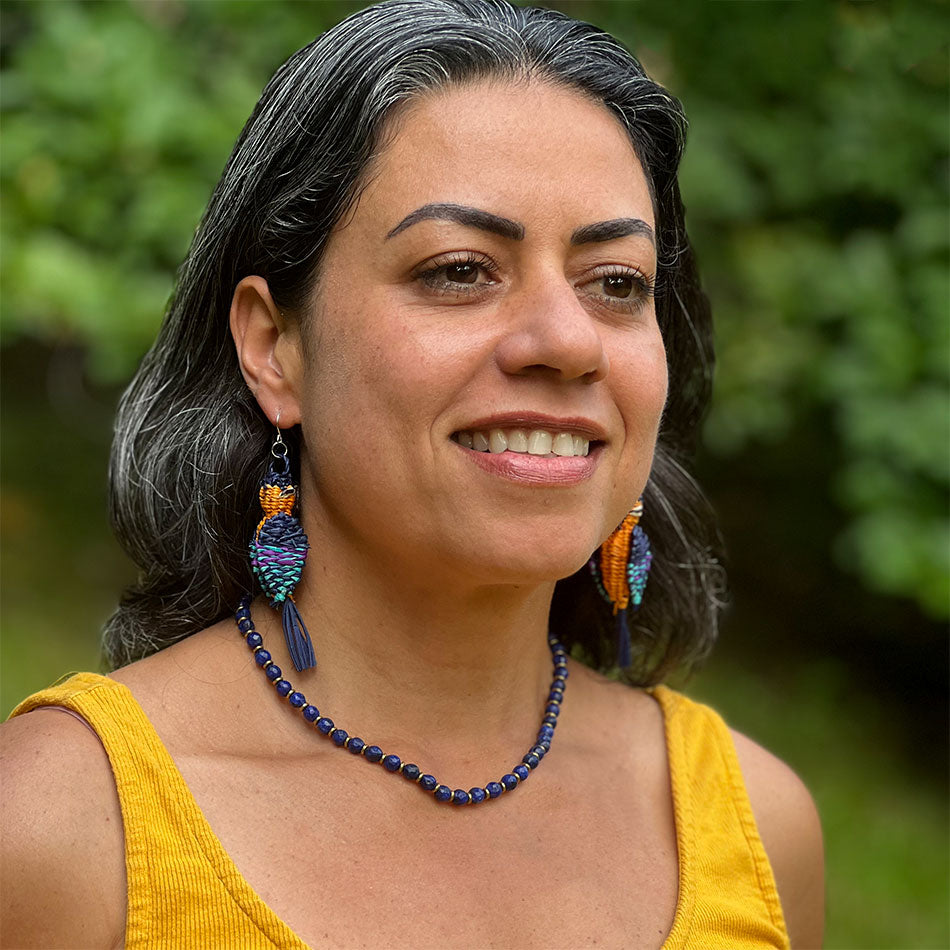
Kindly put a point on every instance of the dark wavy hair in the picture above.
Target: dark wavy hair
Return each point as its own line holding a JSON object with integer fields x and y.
{"x": 189, "y": 438}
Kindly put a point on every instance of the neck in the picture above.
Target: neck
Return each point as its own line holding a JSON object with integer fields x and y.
{"x": 452, "y": 676}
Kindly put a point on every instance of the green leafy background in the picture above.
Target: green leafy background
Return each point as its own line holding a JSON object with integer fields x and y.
{"x": 816, "y": 186}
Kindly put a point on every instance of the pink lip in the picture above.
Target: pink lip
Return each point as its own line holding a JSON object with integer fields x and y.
{"x": 576, "y": 425}
{"x": 553, "y": 471}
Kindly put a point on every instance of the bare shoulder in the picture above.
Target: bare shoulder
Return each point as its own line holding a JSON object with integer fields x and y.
{"x": 791, "y": 833}
{"x": 62, "y": 848}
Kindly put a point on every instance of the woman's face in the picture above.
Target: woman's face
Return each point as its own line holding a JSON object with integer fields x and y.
{"x": 492, "y": 286}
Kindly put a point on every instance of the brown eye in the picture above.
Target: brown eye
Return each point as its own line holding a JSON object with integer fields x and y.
{"x": 618, "y": 286}
{"x": 461, "y": 273}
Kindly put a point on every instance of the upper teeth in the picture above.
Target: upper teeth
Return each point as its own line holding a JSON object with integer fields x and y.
{"x": 530, "y": 441}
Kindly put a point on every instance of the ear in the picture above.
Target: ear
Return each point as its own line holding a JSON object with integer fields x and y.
{"x": 268, "y": 350}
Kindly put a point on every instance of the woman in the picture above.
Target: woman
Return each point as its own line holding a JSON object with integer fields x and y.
{"x": 442, "y": 297}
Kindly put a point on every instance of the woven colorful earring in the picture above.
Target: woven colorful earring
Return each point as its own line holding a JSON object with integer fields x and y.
{"x": 620, "y": 568}
{"x": 278, "y": 551}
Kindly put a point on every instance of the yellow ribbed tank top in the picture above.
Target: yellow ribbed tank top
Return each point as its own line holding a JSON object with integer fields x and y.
{"x": 185, "y": 892}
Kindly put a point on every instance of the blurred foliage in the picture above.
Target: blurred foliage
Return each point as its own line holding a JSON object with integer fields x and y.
{"x": 822, "y": 207}
{"x": 816, "y": 180}
{"x": 117, "y": 121}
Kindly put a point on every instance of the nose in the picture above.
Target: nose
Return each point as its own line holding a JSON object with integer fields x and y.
{"x": 550, "y": 333}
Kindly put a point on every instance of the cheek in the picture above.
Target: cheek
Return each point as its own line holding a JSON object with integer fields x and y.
{"x": 646, "y": 390}
{"x": 377, "y": 375}
{"x": 660, "y": 384}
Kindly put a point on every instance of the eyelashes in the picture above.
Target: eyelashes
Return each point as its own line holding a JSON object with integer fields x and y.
{"x": 623, "y": 288}
{"x": 467, "y": 274}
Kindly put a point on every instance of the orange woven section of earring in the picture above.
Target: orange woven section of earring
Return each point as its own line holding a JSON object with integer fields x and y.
{"x": 276, "y": 500}
{"x": 614, "y": 555}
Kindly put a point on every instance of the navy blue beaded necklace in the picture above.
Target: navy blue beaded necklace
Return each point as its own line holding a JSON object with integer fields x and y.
{"x": 392, "y": 763}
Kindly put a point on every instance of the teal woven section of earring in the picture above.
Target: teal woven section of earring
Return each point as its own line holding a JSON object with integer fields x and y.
{"x": 638, "y": 565}
{"x": 278, "y": 552}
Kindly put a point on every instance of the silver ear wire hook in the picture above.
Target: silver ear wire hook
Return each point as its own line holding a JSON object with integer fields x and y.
{"x": 282, "y": 452}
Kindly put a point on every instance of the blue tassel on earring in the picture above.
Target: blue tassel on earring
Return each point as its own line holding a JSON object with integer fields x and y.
{"x": 624, "y": 658}
{"x": 297, "y": 636}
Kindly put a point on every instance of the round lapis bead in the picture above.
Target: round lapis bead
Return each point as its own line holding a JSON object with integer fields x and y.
{"x": 545, "y": 744}
{"x": 509, "y": 781}
{"x": 254, "y": 640}
{"x": 531, "y": 760}
{"x": 282, "y": 687}
{"x": 494, "y": 789}
{"x": 546, "y": 733}
{"x": 522, "y": 771}
{"x": 325, "y": 725}
{"x": 310, "y": 713}
{"x": 355, "y": 745}
{"x": 339, "y": 736}
{"x": 552, "y": 708}
{"x": 391, "y": 763}
{"x": 273, "y": 672}
{"x": 373, "y": 753}
{"x": 427, "y": 782}
{"x": 261, "y": 657}
{"x": 244, "y": 625}
{"x": 460, "y": 797}
{"x": 556, "y": 695}
{"x": 296, "y": 699}
{"x": 539, "y": 751}
{"x": 477, "y": 795}
{"x": 443, "y": 793}
{"x": 411, "y": 771}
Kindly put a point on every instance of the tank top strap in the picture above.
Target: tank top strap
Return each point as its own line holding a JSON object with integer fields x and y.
{"x": 183, "y": 889}
{"x": 727, "y": 894}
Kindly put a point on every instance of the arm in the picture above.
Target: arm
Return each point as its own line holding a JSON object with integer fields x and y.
{"x": 791, "y": 832}
{"x": 62, "y": 848}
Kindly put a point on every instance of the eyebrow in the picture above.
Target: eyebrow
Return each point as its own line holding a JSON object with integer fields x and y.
{"x": 486, "y": 221}
{"x": 610, "y": 230}
{"x": 462, "y": 214}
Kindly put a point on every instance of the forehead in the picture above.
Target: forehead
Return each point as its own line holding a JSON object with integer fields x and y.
{"x": 528, "y": 149}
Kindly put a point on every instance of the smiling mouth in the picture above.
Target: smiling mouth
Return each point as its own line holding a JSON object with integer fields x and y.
{"x": 522, "y": 441}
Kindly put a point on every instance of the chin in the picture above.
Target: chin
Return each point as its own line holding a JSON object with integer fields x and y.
{"x": 528, "y": 560}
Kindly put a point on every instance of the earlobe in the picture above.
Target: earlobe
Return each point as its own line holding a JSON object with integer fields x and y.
{"x": 268, "y": 350}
